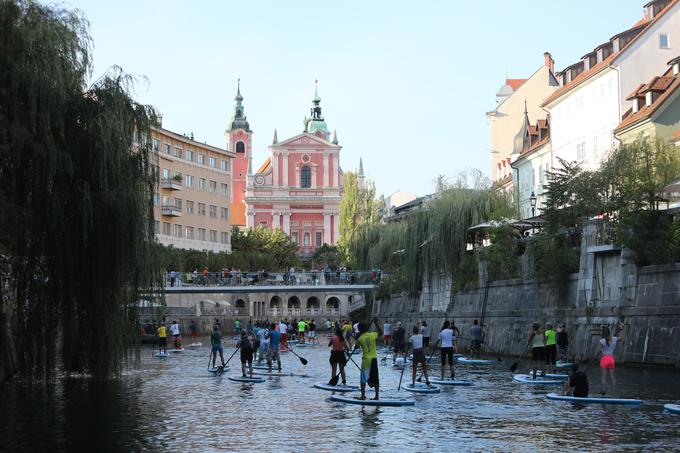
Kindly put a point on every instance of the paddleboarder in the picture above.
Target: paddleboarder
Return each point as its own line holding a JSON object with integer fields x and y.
{"x": 387, "y": 334}
{"x": 607, "y": 347}
{"x": 398, "y": 342}
{"x": 537, "y": 343}
{"x": 274, "y": 342}
{"x": 338, "y": 347}
{"x": 367, "y": 341}
{"x": 562, "y": 343}
{"x": 477, "y": 336}
{"x": 246, "y": 353}
{"x": 162, "y": 338}
{"x": 301, "y": 327}
{"x": 216, "y": 346}
{"x": 446, "y": 337}
{"x": 550, "y": 338}
{"x": 577, "y": 384}
{"x": 417, "y": 343}
{"x": 174, "y": 328}
{"x": 262, "y": 343}
{"x": 425, "y": 332}
{"x": 283, "y": 330}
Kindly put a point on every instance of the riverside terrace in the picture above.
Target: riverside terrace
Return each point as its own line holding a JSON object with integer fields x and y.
{"x": 261, "y": 278}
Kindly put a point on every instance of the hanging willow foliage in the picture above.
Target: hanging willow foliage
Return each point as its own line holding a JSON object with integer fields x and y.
{"x": 76, "y": 193}
{"x": 433, "y": 238}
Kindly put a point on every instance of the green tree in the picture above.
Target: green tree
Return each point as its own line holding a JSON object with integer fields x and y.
{"x": 76, "y": 194}
{"x": 359, "y": 207}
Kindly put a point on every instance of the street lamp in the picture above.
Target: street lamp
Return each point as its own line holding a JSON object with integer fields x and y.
{"x": 532, "y": 200}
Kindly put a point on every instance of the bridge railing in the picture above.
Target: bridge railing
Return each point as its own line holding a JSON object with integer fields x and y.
{"x": 238, "y": 278}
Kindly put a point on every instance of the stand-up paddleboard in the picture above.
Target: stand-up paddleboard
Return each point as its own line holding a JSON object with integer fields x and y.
{"x": 422, "y": 388}
{"x": 176, "y": 350}
{"x": 196, "y": 345}
{"x": 272, "y": 373}
{"x": 303, "y": 345}
{"x": 528, "y": 379}
{"x": 564, "y": 364}
{"x": 218, "y": 369}
{"x": 456, "y": 382}
{"x": 603, "y": 400}
{"x": 260, "y": 367}
{"x": 247, "y": 380}
{"x": 336, "y": 388}
{"x": 370, "y": 402}
{"x": 162, "y": 354}
{"x": 549, "y": 375}
{"x": 674, "y": 408}
{"x": 467, "y": 361}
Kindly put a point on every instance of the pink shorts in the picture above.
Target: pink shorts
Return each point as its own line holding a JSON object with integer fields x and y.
{"x": 607, "y": 361}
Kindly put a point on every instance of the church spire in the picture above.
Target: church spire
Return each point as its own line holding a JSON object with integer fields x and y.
{"x": 238, "y": 119}
{"x": 361, "y": 167}
{"x": 316, "y": 124}
{"x": 276, "y": 138}
{"x": 335, "y": 137}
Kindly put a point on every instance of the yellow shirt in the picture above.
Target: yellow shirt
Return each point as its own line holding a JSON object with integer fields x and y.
{"x": 161, "y": 331}
{"x": 346, "y": 328}
{"x": 367, "y": 342}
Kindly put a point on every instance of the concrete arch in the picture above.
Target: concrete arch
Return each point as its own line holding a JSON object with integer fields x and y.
{"x": 240, "y": 303}
{"x": 333, "y": 303}
{"x": 293, "y": 302}
{"x": 313, "y": 302}
{"x": 275, "y": 302}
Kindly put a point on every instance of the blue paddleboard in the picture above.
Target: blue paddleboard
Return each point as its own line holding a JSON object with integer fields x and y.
{"x": 336, "y": 388}
{"x": 422, "y": 388}
{"x": 576, "y": 399}
{"x": 370, "y": 402}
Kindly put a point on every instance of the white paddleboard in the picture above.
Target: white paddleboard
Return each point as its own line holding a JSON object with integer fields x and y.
{"x": 196, "y": 345}
{"x": 217, "y": 369}
{"x": 336, "y": 388}
{"x": 550, "y": 375}
{"x": 674, "y": 408}
{"x": 456, "y": 382}
{"x": 267, "y": 373}
{"x": 176, "y": 350}
{"x": 161, "y": 354}
{"x": 528, "y": 379}
{"x": 370, "y": 402}
{"x": 421, "y": 388}
{"x": 475, "y": 361}
{"x": 603, "y": 400}
{"x": 253, "y": 380}
{"x": 564, "y": 364}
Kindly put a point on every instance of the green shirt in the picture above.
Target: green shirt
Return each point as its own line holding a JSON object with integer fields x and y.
{"x": 550, "y": 336}
{"x": 215, "y": 338}
{"x": 367, "y": 342}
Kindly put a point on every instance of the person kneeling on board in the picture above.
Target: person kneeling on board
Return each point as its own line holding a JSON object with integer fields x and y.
{"x": 369, "y": 359}
{"x": 577, "y": 384}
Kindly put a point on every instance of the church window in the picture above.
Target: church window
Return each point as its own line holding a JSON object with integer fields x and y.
{"x": 319, "y": 238}
{"x": 306, "y": 239}
{"x": 294, "y": 236}
{"x": 240, "y": 147}
{"x": 305, "y": 177}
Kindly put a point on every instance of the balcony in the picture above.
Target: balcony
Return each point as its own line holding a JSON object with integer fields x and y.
{"x": 171, "y": 210}
{"x": 171, "y": 184}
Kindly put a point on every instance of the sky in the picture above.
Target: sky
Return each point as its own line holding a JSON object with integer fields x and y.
{"x": 405, "y": 84}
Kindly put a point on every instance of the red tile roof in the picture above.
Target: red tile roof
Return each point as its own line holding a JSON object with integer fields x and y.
{"x": 515, "y": 83}
{"x": 676, "y": 134}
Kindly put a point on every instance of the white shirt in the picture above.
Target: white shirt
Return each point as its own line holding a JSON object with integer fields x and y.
{"x": 328, "y": 324}
{"x": 416, "y": 341}
{"x": 175, "y": 329}
{"x": 425, "y": 331}
{"x": 282, "y": 328}
{"x": 387, "y": 329}
{"x": 356, "y": 327}
{"x": 262, "y": 335}
{"x": 446, "y": 337}
{"x": 608, "y": 350}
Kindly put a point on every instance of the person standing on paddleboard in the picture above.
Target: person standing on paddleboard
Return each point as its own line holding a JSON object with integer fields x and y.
{"x": 550, "y": 338}
{"x": 446, "y": 337}
{"x": 274, "y": 341}
{"x": 398, "y": 343}
{"x": 174, "y": 328}
{"x": 417, "y": 343}
{"x": 477, "y": 336}
{"x": 425, "y": 332}
{"x": 283, "y": 330}
{"x": 263, "y": 343}
{"x": 367, "y": 341}
{"x": 216, "y": 345}
{"x": 347, "y": 332}
{"x": 338, "y": 347}
{"x": 387, "y": 334}
{"x": 301, "y": 327}
{"x": 246, "y": 353}
{"x": 537, "y": 342}
{"x": 193, "y": 329}
{"x": 562, "y": 343}
{"x": 162, "y": 338}
{"x": 607, "y": 347}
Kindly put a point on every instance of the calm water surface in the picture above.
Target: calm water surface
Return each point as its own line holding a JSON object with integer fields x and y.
{"x": 173, "y": 404}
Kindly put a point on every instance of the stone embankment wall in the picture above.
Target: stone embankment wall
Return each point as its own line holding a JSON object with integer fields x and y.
{"x": 608, "y": 288}
{"x": 8, "y": 358}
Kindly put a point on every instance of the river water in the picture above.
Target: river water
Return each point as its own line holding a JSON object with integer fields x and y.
{"x": 174, "y": 404}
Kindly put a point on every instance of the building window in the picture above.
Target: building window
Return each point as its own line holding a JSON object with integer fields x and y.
{"x": 178, "y": 203}
{"x": 294, "y": 237}
{"x": 168, "y": 148}
{"x": 319, "y": 238}
{"x": 663, "y": 41}
{"x": 201, "y": 159}
{"x": 224, "y": 189}
{"x": 224, "y": 165}
{"x": 305, "y": 177}
{"x": 213, "y": 211}
{"x": 581, "y": 151}
{"x": 166, "y": 229}
{"x": 213, "y": 162}
{"x": 306, "y": 239}
{"x": 201, "y": 183}
{"x": 190, "y": 155}
{"x": 155, "y": 144}
{"x": 178, "y": 231}
{"x": 201, "y": 208}
{"x": 213, "y": 186}
{"x": 189, "y": 181}
{"x": 240, "y": 147}
{"x": 165, "y": 201}
{"x": 156, "y": 199}
{"x": 190, "y": 207}
{"x": 224, "y": 237}
{"x": 190, "y": 232}
{"x": 166, "y": 173}
{"x": 201, "y": 234}
{"x": 178, "y": 152}
{"x": 263, "y": 223}
{"x": 224, "y": 213}
{"x": 157, "y": 227}
{"x": 213, "y": 235}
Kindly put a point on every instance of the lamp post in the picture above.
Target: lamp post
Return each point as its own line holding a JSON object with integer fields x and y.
{"x": 532, "y": 200}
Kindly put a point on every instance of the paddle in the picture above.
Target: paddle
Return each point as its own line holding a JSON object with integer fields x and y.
{"x": 302, "y": 359}
{"x": 514, "y": 366}
{"x": 420, "y": 378}
{"x": 402, "y": 372}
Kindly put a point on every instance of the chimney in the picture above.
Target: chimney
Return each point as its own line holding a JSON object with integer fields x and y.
{"x": 549, "y": 62}
{"x": 636, "y": 105}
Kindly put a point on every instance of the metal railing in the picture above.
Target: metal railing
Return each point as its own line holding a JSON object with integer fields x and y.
{"x": 237, "y": 278}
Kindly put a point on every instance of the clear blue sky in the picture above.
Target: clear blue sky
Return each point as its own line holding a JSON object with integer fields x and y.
{"x": 406, "y": 84}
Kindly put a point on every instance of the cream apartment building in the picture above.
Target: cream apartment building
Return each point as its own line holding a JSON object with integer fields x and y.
{"x": 191, "y": 205}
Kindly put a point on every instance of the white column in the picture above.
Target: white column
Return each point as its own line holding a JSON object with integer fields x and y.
{"x": 286, "y": 222}
{"x": 314, "y": 177}
{"x": 336, "y": 227}
{"x": 275, "y": 169}
{"x": 251, "y": 219}
{"x": 276, "y": 220}
{"x": 326, "y": 228}
{"x": 326, "y": 170}
{"x": 285, "y": 169}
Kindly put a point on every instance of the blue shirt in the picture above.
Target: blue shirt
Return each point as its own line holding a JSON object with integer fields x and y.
{"x": 274, "y": 339}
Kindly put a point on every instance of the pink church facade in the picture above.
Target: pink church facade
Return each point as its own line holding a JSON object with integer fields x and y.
{"x": 298, "y": 188}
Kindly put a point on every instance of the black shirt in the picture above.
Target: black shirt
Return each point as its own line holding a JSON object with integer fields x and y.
{"x": 562, "y": 339}
{"x": 579, "y": 381}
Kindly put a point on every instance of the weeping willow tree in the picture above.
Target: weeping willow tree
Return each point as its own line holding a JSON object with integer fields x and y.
{"x": 430, "y": 240}
{"x": 76, "y": 194}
